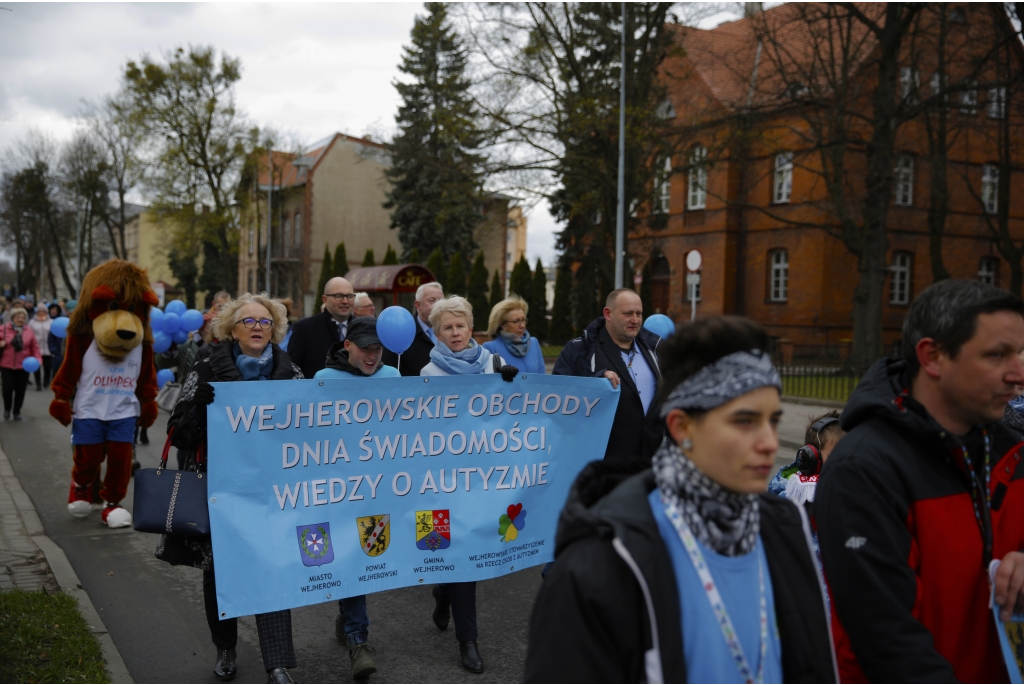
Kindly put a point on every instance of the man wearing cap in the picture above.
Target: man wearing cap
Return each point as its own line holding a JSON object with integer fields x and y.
{"x": 358, "y": 356}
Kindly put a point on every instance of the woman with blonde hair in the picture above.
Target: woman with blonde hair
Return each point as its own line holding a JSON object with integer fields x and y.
{"x": 17, "y": 342}
{"x": 250, "y": 329}
{"x": 507, "y": 325}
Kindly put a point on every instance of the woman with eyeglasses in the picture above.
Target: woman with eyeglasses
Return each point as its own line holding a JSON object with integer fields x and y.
{"x": 249, "y": 328}
{"x": 507, "y": 325}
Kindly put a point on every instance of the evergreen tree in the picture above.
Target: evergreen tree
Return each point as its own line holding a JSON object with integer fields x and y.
{"x": 368, "y": 258}
{"x": 326, "y": 269}
{"x": 497, "y": 290}
{"x": 538, "y": 301}
{"x": 435, "y": 262}
{"x": 390, "y": 257}
{"x": 456, "y": 276}
{"x": 340, "y": 261}
{"x": 562, "y": 329}
{"x": 435, "y": 170}
{"x": 413, "y": 257}
{"x": 519, "y": 283}
{"x": 477, "y": 290}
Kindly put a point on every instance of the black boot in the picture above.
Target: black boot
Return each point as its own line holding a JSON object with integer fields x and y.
{"x": 442, "y": 610}
{"x": 225, "y": 668}
{"x": 279, "y": 675}
{"x": 144, "y": 436}
{"x": 471, "y": 660}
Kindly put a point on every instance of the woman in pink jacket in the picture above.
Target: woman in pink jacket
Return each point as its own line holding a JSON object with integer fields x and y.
{"x": 17, "y": 342}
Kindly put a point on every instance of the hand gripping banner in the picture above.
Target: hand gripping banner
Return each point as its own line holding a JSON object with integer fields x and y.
{"x": 321, "y": 490}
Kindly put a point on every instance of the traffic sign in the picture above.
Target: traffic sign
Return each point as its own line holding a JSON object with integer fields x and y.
{"x": 692, "y": 279}
{"x": 694, "y": 260}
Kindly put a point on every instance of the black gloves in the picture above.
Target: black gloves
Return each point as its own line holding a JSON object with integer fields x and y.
{"x": 508, "y": 373}
{"x": 204, "y": 394}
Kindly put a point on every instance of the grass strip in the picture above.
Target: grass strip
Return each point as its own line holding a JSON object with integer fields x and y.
{"x": 43, "y": 639}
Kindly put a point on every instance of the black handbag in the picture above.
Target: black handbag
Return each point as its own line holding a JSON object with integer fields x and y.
{"x": 171, "y": 501}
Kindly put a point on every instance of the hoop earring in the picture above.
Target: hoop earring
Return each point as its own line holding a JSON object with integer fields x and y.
{"x": 687, "y": 444}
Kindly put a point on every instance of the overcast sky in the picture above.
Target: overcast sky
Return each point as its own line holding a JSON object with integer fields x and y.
{"x": 307, "y": 70}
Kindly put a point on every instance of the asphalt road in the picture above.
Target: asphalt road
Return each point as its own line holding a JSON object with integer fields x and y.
{"x": 154, "y": 611}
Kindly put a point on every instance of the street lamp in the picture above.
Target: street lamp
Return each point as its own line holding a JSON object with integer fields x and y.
{"x": 620, "y": 220}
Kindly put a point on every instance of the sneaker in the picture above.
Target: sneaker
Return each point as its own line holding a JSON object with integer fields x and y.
{"x": 362, "y": 660}
{"x": 17, "y": 417}
{"x": 79, "y": 500}
{"x": 116, "y": 516}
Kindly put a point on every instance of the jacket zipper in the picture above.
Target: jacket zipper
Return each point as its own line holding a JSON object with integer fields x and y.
{"x": 652, "y": 657}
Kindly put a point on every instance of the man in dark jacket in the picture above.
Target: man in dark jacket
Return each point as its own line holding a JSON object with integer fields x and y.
{"x": 925, "y": 490}
{"x": 313, "y": 336}
{"x": 418, "y": 354}
{"x": 616, "y": 347}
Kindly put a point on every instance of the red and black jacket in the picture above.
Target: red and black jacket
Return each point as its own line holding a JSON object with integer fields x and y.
{"x": 904, "y": 553}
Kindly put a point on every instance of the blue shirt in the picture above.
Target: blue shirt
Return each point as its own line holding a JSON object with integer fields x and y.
{"x": 533, "y": 362}
{"x": 383, "y": 371}
{"x": 643, "y": 377}
{"x": 707, "y": 656}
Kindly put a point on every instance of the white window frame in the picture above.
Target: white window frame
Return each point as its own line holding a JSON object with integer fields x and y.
{"x": 910, "y": 82}
{"x": 990, "y": 188}
{"x": 297, "y": 229}
{"x": 899, "y": 287}
{"x": 939, "y": 83}
{"x": 252, "y": 241}
{"x": 697, "y": 184}
{"x": 778, "y": 283}
{"x": 969, "y": 99}
{"x": 663, "y": 201}
{"x": 903, "y": 175}
{"x": 988, "y": 269}
{"x": 783, "y": 185}
{"x": 996, "y": 103}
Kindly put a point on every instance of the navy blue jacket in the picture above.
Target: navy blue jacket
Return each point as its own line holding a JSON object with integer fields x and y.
{"x": 635, "y": 436}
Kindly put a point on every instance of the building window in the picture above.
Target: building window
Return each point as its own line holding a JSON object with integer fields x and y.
{"x": 249, "y": 281}
{"x": 904, "y": 177}
{"x": 286, "y": 231}
{"x": 939, "y": 83}
{"x": 910, "y": 81}
{"x": 990, "y": 187}
{"x": 988, "y": 269}
{"x": 783, "y": 177}
{"x": 697, "y": 186}
{"x": 252, "y": 241}
{"x": 778, "y": 284}
{"x": 969, "y": 99}
{"x": 664, "y": 187}
{"x": 899, "y": 292}
{"x": 996, "y": 103}
{"x": 298, "y": 229}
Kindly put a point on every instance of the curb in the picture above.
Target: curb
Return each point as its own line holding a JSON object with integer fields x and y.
{"x": 64, "y": 573}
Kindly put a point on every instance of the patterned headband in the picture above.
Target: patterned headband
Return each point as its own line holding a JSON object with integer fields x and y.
{"x": 723, "y": 381}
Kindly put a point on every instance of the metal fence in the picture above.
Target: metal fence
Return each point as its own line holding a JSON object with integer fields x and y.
{"x": 815, "y": 371}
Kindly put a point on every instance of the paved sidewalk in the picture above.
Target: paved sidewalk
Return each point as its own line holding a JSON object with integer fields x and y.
{"x": 30, "y": 560}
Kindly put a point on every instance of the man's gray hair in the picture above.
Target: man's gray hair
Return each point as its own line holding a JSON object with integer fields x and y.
{"x": 362, "y": 300}
{"x": 423, "y": 288}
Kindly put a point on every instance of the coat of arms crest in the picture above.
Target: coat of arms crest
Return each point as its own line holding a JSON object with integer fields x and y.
{"x": 433, "y": 530}
{"x": 374, "y": 533}
{"x": 315, "y": 544}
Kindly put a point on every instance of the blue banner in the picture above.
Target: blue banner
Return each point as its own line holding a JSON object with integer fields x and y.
{"x": 321, "y": 490}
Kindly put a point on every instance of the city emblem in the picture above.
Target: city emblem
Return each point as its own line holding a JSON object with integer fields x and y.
{"x": 433, "y": 531}
{"x": 374, "y": 533}
{"x": 315, "y": 544}
{"x": 511, "y": 522}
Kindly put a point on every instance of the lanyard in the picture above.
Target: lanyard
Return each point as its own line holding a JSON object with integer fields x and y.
{"x": 715, "y": 599}
{"x": 981, "y": 495}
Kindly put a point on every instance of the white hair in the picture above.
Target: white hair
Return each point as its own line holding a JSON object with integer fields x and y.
{"x": 422, "y": 289}
{"x": 459, "y": 306}
{"x": 362, "y": 300}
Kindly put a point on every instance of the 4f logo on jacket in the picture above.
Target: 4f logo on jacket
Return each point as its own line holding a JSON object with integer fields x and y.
{"x": 856, "y": 542}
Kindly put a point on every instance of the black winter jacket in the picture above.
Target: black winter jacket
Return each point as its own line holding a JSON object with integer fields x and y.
{"x": 635, "y": 437}
{"x": 608, "y": 610}
{"x": 311, "y": 339}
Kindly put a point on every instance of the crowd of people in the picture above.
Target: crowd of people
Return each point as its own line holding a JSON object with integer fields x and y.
{"x": 682, "y": 553}
{"x": 25, "y": 332}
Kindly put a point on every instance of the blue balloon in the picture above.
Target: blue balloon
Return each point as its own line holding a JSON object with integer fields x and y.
{"x": 161, "y": 342}
{"x": 156, "y": 318}
{"x": 179, "y": 337}
{"x": 175, "y": 307}
{"x": 396, "y": 329}
{"x": 170, "y": 324}
{"x": 164, "y": 376}
{"x": 660, "y": 325}
{"x": 30, "y": 364}
{"x": 192, "y": 320}
{"x": 59, "y": 326}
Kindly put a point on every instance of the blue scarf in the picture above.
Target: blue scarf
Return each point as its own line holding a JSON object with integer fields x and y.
{"x": 473, "y": 359}
{"x": 254, "y": 368}
{"x": 517, "y": 346}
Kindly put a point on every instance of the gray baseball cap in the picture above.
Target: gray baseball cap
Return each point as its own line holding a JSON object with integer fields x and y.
{"x": 362, "y": 331}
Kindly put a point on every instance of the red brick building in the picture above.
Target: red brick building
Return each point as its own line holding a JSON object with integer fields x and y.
{"x": 751, "y": 203}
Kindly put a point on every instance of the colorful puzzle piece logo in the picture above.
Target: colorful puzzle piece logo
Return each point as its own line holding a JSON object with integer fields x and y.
{"x": 511, "y": 522}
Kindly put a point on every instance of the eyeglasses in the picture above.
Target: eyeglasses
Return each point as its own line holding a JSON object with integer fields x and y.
{"x": 338, "y": 297}
{"x": 518, "y": 322}
{"x": 250, "y": 323}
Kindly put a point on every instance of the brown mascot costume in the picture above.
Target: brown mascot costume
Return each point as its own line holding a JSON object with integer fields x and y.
{"x": 107, "y": 384}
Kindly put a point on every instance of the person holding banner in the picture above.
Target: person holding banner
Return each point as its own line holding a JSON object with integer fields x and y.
{"x": 507, "y": 325}
{"x": 455, "y": 354}
{"x": 689, "y": 571}
{"x": 249, "y": 328}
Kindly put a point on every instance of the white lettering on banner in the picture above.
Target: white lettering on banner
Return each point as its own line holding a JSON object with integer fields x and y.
{"x": 333, "y": 490}
{"x": 242, "y": 416}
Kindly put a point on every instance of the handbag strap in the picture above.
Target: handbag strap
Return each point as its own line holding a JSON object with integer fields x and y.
{"x": 167, "y": 449}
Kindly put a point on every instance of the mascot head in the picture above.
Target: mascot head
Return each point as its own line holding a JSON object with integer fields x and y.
{"x": 113, "y": 308}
